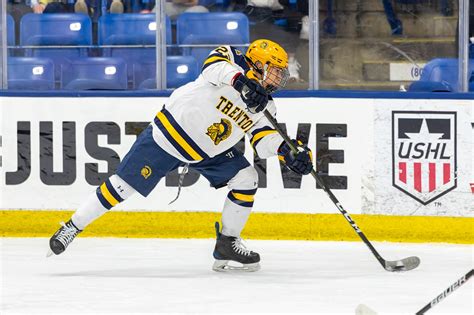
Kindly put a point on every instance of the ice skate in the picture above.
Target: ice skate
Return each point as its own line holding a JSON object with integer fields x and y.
{"x": 230, "y": 249}
{"x": 62, "y": 238}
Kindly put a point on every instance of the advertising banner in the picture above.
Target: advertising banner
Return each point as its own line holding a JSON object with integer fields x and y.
{"x": 55, "y": 151}
{"x": 423, "y": 160}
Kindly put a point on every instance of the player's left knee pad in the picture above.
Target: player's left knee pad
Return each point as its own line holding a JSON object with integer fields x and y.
{"x": 246, "y": 178}
{"x": 113, "y": 191}
{"x": 243, "y": 187}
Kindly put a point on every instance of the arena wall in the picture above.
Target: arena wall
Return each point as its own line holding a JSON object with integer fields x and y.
{"x": 403, "y": 167}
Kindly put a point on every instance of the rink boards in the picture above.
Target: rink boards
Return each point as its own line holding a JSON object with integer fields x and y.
{"x": 402, "y": 166}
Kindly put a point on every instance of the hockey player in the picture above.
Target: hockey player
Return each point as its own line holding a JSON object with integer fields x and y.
{"x": 199, "y": 125}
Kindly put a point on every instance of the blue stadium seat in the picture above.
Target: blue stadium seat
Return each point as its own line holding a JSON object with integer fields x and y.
{"x": 223, "y": 3}
{"x": 179, "y": 71}
{"x": 207, "y": 3}
{"x": 130, "y": 29}
{"x": 139, "y": 5}
{"x": 211, "y": 29}
{"x": 10, "y": 31}
{"x": 95, "y": 73}
{"x": 25, "y": 73}
{"x": 439, "y": 75}
{"x": 59, "y": 29}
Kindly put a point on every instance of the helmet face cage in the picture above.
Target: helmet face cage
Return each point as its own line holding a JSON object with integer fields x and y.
{"x": 275, "y": 78}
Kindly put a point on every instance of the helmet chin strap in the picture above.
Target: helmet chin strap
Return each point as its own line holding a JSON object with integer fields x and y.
{"x": 253, "y": 65}
{"x": 265, "y": 72}
{"x": 270, "y": 88}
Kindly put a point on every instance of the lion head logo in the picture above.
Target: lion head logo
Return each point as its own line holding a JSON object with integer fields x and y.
{"x": 219, "y": 131}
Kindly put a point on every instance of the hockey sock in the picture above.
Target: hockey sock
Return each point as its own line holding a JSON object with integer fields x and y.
{"x": 111, "y": 192}
{"x": 237, "y": 207}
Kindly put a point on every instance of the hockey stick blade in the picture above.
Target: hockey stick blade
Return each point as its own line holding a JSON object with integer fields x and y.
{"x": 404, "y": 264}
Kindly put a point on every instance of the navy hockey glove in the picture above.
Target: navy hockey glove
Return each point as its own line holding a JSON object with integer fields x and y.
{"x": 301, "y": 162}
{"x": 251, "y": 92}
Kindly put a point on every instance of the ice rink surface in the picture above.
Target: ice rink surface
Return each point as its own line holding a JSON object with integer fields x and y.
{"x": 131, "y": 276}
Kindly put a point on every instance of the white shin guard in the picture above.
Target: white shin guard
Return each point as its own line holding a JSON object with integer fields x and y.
{"x": 234, "y": 218}
{"x": 92, "y": 208}
{"x": 88, "y": 211}
{"x": 234, "y": 215}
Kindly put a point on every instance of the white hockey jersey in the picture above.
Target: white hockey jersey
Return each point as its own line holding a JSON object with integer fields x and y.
{"x": 207, "y": 116}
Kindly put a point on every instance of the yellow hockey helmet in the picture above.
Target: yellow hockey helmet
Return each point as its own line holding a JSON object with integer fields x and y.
{"x": 270, "y": 61}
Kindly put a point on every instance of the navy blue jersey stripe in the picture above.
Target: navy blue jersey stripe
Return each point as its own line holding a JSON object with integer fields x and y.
{"x": 261, "y": 129}
{"x": 239, "y": 202}
{"x": 102, "y": 199}
{"x": 184, "y": 134}
{"x": 255, "y": 132}
{"x": 112, "y": 191}
{"x": 256, "y": 142}
{"x": 245, "y": 192}
{"x": 172, "y": 141}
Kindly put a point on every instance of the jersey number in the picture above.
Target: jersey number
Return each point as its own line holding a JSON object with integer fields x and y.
{"x": 223, "y": 51}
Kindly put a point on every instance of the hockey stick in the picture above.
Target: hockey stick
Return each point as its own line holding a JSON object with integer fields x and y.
{"x": 446, "y": 292}
{"x": 405, "y": 264}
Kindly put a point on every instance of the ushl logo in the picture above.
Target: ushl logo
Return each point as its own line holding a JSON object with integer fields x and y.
{"x": 424, "y": 153}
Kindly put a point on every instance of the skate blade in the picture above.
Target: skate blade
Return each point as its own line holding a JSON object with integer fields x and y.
{"x": 49, "y": 253}
{"x": 364, "y": 310}
{"x": 223, "y": 266}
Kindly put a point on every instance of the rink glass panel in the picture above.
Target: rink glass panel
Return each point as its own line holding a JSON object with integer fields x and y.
{"x": 363, "y": 45}
{"x": 382, "y": 44}
{"x": 3, "y": 47}
{"x": 69, "y": 51}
